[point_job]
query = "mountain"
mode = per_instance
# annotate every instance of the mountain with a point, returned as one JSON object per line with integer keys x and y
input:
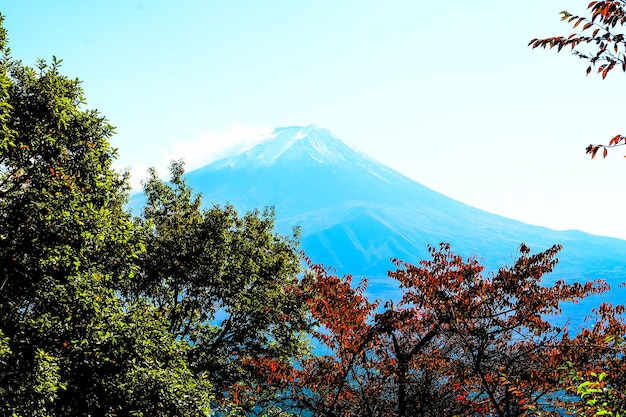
{"x": 356, "y": 213}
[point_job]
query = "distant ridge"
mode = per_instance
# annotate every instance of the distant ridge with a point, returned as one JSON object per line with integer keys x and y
{"x": 356, "y": 213}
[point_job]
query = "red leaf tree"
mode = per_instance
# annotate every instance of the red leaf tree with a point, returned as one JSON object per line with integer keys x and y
{"x": 456, "y": 343}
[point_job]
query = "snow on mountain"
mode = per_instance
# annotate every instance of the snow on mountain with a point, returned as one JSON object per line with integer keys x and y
{"x": 296, "y": 143}
{"x": 356, "y": 213}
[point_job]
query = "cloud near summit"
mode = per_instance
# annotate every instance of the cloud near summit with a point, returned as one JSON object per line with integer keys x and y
{"x": 207, "y": 148}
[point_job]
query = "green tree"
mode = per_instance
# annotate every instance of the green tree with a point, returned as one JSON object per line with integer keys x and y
{"x": 596, "y": 376}
{"x": 227, "y": 285}
{"x": 179, "y": 312}
{"x": 69, "y": 344}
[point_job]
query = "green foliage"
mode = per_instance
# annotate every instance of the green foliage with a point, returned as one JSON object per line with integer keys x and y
{"x": 185, "y": 311}
{"x": 596, "y": 395}
{"x": 105, "y": 315}
{"x": 597, "y": 385}
{"x": 225, "y": 284}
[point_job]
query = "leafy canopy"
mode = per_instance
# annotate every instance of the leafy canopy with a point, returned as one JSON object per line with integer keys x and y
{"x": 457, "y": 343}
{"x": 172, "y": 313}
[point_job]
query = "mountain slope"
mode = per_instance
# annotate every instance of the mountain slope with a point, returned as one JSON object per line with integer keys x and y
{"x": 356, "y": 213}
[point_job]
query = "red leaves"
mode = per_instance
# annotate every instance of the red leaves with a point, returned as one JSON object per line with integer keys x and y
{"x": 604, "y": 69}
{"x": 609, "y": 13}
{"x": 338, "y": 307}
{"x": 617, "y": 140}
{"x": 473, "y": 345}
{"x": 605, "y": 15}
{"x": 274, "y": 371}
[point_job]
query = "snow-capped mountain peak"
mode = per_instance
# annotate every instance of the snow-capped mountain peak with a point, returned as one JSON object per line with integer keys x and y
{"x": 293, "y": 142}
{"x": 356, "y": 213}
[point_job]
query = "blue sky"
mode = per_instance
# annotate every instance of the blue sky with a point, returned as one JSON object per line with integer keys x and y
{"x": 447, "y": 93}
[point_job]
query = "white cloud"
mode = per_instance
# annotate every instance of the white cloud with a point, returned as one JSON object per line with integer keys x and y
{"x": 207, "y": 148}
{"x": 212, "y": 146}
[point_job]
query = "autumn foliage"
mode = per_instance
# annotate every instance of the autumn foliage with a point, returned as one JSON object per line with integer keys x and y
{"x": 598, "y": 43}
{"x": 185, "y": 311}
{"x": 457, "y": 343}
